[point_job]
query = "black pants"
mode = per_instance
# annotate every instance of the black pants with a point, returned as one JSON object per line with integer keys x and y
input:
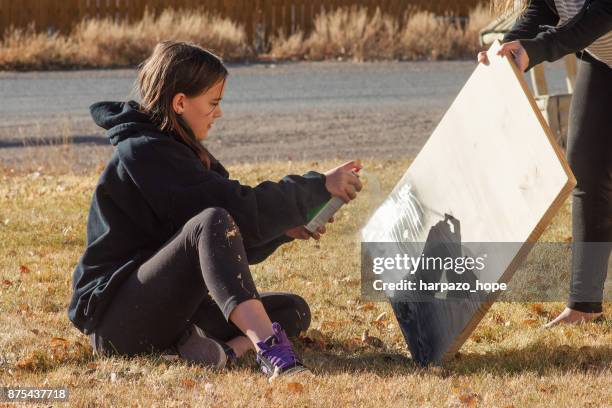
{"x": 198, "y": 277}
{"x": 589, "y": 152}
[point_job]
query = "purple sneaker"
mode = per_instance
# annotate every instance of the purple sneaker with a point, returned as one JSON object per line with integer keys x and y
{"x": 276, "y": 356}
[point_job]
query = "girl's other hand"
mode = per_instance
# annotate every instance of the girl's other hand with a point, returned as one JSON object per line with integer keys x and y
{"x": 342, "y": 182}
{"x": 302, "y": 233}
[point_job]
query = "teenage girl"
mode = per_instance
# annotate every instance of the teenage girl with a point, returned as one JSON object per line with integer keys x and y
{"x": 170, "y": 236}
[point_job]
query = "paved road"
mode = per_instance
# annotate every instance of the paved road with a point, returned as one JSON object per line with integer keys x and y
{"x": 315, "y": 109}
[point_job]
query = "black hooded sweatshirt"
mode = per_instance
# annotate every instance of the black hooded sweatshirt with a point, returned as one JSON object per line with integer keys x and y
{"x": 152, "y": 185}
{"x": 537, "y": 31}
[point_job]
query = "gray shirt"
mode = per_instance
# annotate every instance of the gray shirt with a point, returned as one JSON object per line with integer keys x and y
{"x": 601, "y": 48}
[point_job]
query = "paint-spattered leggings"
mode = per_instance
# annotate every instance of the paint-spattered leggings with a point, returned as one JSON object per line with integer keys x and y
{"x": 198, "y": 277}
{"x": 589, "y": 153}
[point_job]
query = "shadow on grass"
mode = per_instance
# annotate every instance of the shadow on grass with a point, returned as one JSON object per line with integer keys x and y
{"x": 52, "y": 141}
{"x": 537, "y": 358}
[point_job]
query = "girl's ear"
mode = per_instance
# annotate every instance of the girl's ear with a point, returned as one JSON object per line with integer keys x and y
{"x": 178, "y": 103}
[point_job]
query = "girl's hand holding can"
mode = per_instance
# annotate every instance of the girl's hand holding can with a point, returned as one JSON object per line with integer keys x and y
{"x": 343, "y": 182}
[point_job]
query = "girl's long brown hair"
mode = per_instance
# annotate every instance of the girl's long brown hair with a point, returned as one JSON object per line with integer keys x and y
{"x": 172, "y": 68}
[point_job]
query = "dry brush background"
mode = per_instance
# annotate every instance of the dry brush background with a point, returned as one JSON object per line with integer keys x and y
{"x": 346, "y": 33}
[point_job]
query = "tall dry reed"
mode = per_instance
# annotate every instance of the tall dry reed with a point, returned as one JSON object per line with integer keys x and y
{"x": 346, "y": 33}
{"x": 352, "y": 33}
{"x": 107, "y": 43}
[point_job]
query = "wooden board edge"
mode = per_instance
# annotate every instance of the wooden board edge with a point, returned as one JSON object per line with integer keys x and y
{"x": 512, "y": 268}
{"x": 547, "y": 130}
{"x": 535, "y": 234}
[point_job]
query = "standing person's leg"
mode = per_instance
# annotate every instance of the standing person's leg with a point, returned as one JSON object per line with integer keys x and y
{"x": 205, "y": 260}
{"x": 589, "y": 153}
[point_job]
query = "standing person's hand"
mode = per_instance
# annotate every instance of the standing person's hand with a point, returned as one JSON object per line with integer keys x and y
{"x": 342, "y": 182}
{"x": 512, "y": 49}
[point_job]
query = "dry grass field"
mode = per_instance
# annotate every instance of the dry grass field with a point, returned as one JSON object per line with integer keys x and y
{"x": 509, "y": 361}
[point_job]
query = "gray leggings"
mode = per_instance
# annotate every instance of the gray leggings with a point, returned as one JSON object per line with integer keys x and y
{"x": 198, "y": 277}
{"x": 589, "y": 152}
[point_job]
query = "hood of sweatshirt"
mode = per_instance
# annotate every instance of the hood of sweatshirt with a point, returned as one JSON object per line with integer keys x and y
{"x": 121, "y": 120}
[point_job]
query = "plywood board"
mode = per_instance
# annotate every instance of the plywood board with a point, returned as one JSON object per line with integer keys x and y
{"x": 491, "y": 172}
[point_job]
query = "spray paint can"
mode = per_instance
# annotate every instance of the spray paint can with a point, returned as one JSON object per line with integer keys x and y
{"x": 325, "y": 212}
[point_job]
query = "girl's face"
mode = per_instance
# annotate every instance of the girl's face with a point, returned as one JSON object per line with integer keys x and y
{"x": 200, "y": 112}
